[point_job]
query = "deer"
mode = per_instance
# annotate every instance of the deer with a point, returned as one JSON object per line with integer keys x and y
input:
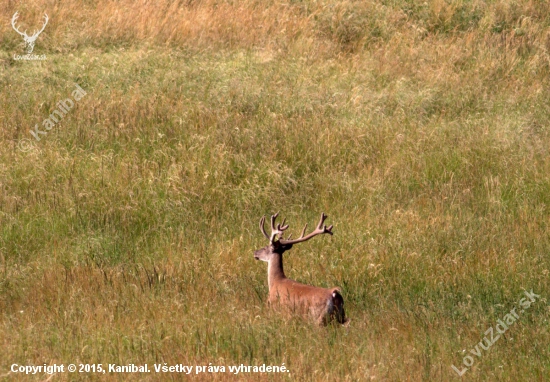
{"x": 323, "y": 305}
{"x": 29, "y": 40}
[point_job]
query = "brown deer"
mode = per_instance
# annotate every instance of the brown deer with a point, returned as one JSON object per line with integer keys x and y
{"x": 322, "y": 304}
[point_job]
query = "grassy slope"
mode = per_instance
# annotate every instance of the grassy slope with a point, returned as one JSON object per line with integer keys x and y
{"x": 126, "y": 234}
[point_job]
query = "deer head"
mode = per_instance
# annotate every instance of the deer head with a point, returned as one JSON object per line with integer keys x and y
{"x": 29, "y": 40}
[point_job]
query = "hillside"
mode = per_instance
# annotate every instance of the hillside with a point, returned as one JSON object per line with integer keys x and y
{"x": 128, "y": 222}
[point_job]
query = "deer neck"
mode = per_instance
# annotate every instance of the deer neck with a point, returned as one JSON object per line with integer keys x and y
{"x": 275, "y": 270}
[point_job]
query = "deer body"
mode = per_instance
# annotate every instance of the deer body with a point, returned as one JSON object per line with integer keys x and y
{"x": 320, "y": 304}
{"x": 323, "y": 305}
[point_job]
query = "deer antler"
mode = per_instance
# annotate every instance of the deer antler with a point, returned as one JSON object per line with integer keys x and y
{"x": 280, "y": 228}
{"x": 274, "y": 230}
{"x": 321, "y": 229}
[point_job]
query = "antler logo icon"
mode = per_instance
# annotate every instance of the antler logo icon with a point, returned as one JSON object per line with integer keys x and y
{"x": 29, "y": 40}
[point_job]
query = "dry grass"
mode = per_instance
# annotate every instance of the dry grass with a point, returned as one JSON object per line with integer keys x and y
{"x": 126, "y": 233}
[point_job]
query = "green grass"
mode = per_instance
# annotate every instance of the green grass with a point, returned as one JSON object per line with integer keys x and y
{"x": 127, "y": 231}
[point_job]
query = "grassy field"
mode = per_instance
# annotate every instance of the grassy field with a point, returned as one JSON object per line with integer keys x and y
{"x": 420, "y": 128}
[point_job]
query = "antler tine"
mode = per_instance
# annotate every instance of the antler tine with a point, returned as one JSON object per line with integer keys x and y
{"x": 262, "y": 227}
{"x": 324, "y": 229}
{"x": 303, "y": 231}
{"x": 284, "y": 227}
{"x": 273, "y": 217}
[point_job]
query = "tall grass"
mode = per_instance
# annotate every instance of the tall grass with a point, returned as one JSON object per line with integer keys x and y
{"x": 126, "y": 233}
